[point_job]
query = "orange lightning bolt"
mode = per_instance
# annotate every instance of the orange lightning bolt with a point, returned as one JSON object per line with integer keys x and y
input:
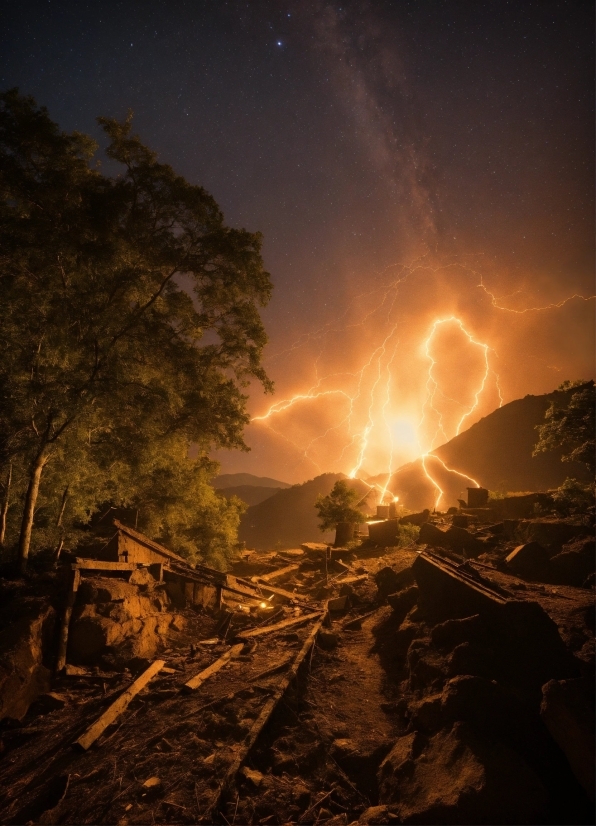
{"x": 553, "y": 306}
{"x": 368, "y": 391}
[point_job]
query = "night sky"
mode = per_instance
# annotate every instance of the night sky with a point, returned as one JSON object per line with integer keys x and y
{"x": 396, "y": 156}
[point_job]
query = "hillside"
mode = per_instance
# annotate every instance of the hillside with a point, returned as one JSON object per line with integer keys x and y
{"x": 289, "y": 518}
{"x": 232, "y": 480}
{"x": 251, "y": 494}
{"x": 496, "y": 452}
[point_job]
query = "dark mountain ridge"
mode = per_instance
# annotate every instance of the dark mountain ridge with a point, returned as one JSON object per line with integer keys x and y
{"x": 289, "y": 518}
{"x": 251, "y": 494}
{"x": 496, "y": 452}
{"x": 232, "y": 480}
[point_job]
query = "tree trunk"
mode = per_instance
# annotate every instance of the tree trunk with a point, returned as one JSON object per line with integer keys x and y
{"x": 58, "y": 551}
{"x": 29, "y": 510}
{"x": 62, "y": 507}
{"x": 344, "y": 533}
{"x": 4, "y": 511}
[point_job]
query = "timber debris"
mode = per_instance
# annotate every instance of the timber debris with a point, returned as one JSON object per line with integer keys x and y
{"x": 447, "y": 681}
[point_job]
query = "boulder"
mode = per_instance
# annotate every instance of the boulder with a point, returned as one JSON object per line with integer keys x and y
{"x": 455, "y": 777}
{"x": 452, "y": 632}
{"x": 417, "y": 519}
{"x": 426, "y": 715}
{"x": 431, "y": 535}
{"x": 463, "y": 542}
{"x": 568, "y": 711}
{"x": 142, "y": 576}
{"x": 574, "y": 564}
{"x": 404, "y": 636}
{"x": 24, "y": 661}
{"x": 529, "y": 561}
{"x": 457, "y": 539}
{"x": 403, "y": 602}
{"x": 472, "y": 658}
{"x": 118, "y": 621}
{"x": 485, "y": 705}
{"x": 340, "y": 603}
{"x": 389, "y": 581}
{"x": 314, "y": 550}
{"x": 551, "y": 533}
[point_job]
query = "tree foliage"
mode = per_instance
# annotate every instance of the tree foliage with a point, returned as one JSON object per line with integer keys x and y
{"x": 571, "y": 425}
{"x": 130, "y": 317}
{"x": 337, "y": 506}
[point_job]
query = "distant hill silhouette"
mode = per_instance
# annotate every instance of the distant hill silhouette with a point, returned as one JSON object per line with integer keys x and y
{"x": 289, "y": 518}
{"x": 496, "y": 452}
{"x": 232, "y": 480}
{"x": 251, "y": 494}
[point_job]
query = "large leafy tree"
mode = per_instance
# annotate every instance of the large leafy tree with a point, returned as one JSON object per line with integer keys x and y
{"x": 130, "y": 311}
{"x": 570, "y": 424}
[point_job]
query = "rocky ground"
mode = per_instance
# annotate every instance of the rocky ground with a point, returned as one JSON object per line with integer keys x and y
{"x": 451, "y": 682}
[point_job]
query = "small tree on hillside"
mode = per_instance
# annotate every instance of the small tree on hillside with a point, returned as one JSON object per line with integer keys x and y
{"x": 571, "y": 426}
{"x": 336, "y": 511}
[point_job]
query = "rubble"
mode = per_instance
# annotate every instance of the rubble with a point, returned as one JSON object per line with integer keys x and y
{"x": 449, "y": 682}
{"x": 25, "y": 643}
{"x": 574, "y": 564}
{"x": 456, "y": 777}
{"x": 530, "y": 560}
{"x": 568, "y": 712}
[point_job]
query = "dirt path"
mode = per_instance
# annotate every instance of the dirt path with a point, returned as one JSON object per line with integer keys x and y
{"x": 319, "y": 758}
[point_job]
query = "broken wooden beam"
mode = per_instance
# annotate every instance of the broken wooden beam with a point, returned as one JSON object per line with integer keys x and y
{"x": 299, "y": 599}
{"x": 351, "y": 580}
{"x": 279, "y": 626}
{"x": 266, "y": 712}
{"x": 197, "y": 681}
{"x": 103, "y": 565}
{"x": 63, "y": 639}
{"x": 288, "y": 569}
{"x": 117, "y": 707}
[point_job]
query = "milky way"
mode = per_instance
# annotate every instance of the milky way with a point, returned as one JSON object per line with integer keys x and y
{"x": 406, "y": 162}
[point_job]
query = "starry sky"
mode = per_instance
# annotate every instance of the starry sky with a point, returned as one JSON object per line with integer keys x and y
{"x": 422, "y": 172}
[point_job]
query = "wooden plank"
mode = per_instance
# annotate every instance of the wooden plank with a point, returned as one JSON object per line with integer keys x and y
{"x": 63, "y": 639}
{"x": 280, "y": 572}
{"x": 279, "y": 626}
{"x": 301, "y": 599}
{"x": 350, "y": 580}
{"x": 118, "y": 707}
{"x": 100, "y": 565}
{"x": 198, "y": 680}
{"x": 264, "y": 716}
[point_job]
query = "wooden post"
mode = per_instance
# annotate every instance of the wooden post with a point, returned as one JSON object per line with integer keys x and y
{"x": 280, "y": 626}
{"x": 118, "y": 706}
{"x": 198, "y": 680}
{"x": 70, "y": 601}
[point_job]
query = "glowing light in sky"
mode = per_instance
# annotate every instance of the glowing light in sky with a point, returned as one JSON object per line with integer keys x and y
{"x": 373, "y": 424}
{"x": 399, "y": 429}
